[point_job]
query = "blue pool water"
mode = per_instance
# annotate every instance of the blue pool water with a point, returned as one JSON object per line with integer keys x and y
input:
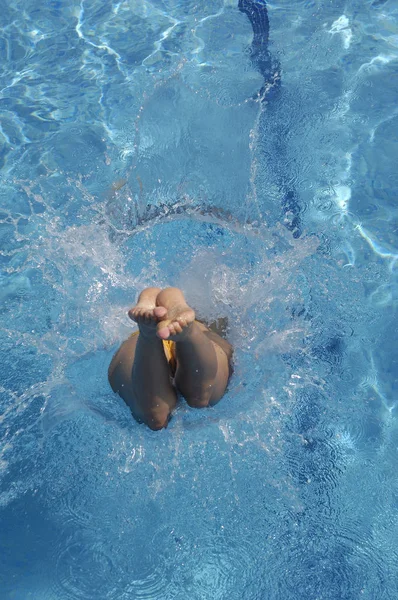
{"x": 135, "y": 149}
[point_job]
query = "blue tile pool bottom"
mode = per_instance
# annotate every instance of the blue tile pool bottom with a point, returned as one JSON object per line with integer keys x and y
{"x": 135, "y": 149}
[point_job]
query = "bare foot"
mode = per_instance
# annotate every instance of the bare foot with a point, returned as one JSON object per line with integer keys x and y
{"x": 143, "y": 312}
{"x": 175, "y": 317}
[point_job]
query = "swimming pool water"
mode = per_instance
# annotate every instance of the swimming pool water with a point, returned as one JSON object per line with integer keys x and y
{"x": 134, "y": 149}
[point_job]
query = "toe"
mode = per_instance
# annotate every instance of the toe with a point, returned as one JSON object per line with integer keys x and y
{"x": 160, "y": 312}
{"x": 163, "y": 332}
{"x": 177, "y": 327}
{"x": 132, "y": 314}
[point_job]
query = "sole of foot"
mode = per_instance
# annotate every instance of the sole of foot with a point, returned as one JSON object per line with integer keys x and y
{"x": 143, "y": 313}
{"x": 177, "y": 322}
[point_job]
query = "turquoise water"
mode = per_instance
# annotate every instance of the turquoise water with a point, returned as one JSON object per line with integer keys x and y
{"x": 135, "y": 150}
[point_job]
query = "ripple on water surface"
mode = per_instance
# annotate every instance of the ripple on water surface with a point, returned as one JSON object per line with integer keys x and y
{"x": 87, "y": 571}
{"x": 216, "y": 567}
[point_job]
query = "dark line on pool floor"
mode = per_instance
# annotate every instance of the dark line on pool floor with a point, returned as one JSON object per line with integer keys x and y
{"x": 257, "y": 13}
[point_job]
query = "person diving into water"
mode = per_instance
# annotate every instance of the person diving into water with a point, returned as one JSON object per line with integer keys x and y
{"x": 171, "y": 352}
{"x": 257, "y": 13}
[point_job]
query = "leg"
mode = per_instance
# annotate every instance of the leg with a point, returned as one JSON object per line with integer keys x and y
{"x": 139, "y": 371}
{"x": 202, "y": 364}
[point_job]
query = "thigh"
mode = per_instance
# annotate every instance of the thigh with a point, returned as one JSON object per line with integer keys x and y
{"x": 224, "y": 371}
{"x": 120, "y": 375}
{"x": 222, "y": 343}
{"x": 212, "y": 333}
{"x": 224, "y": 351}
{"x": 120, "y": 368}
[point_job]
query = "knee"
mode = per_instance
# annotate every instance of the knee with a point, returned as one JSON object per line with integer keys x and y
{"x": 200, "y": 401}
{"x": 157, "y": 421}
{"x": 157, "y": 425}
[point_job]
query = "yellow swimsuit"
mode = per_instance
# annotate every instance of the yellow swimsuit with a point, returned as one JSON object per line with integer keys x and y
{"x": 169, "y": 348}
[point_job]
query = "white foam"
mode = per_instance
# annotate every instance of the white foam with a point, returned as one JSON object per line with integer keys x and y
{"x": 380, "y": 59}
{"x": 341, "y": 26}
{"x": 342, "y": 197}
